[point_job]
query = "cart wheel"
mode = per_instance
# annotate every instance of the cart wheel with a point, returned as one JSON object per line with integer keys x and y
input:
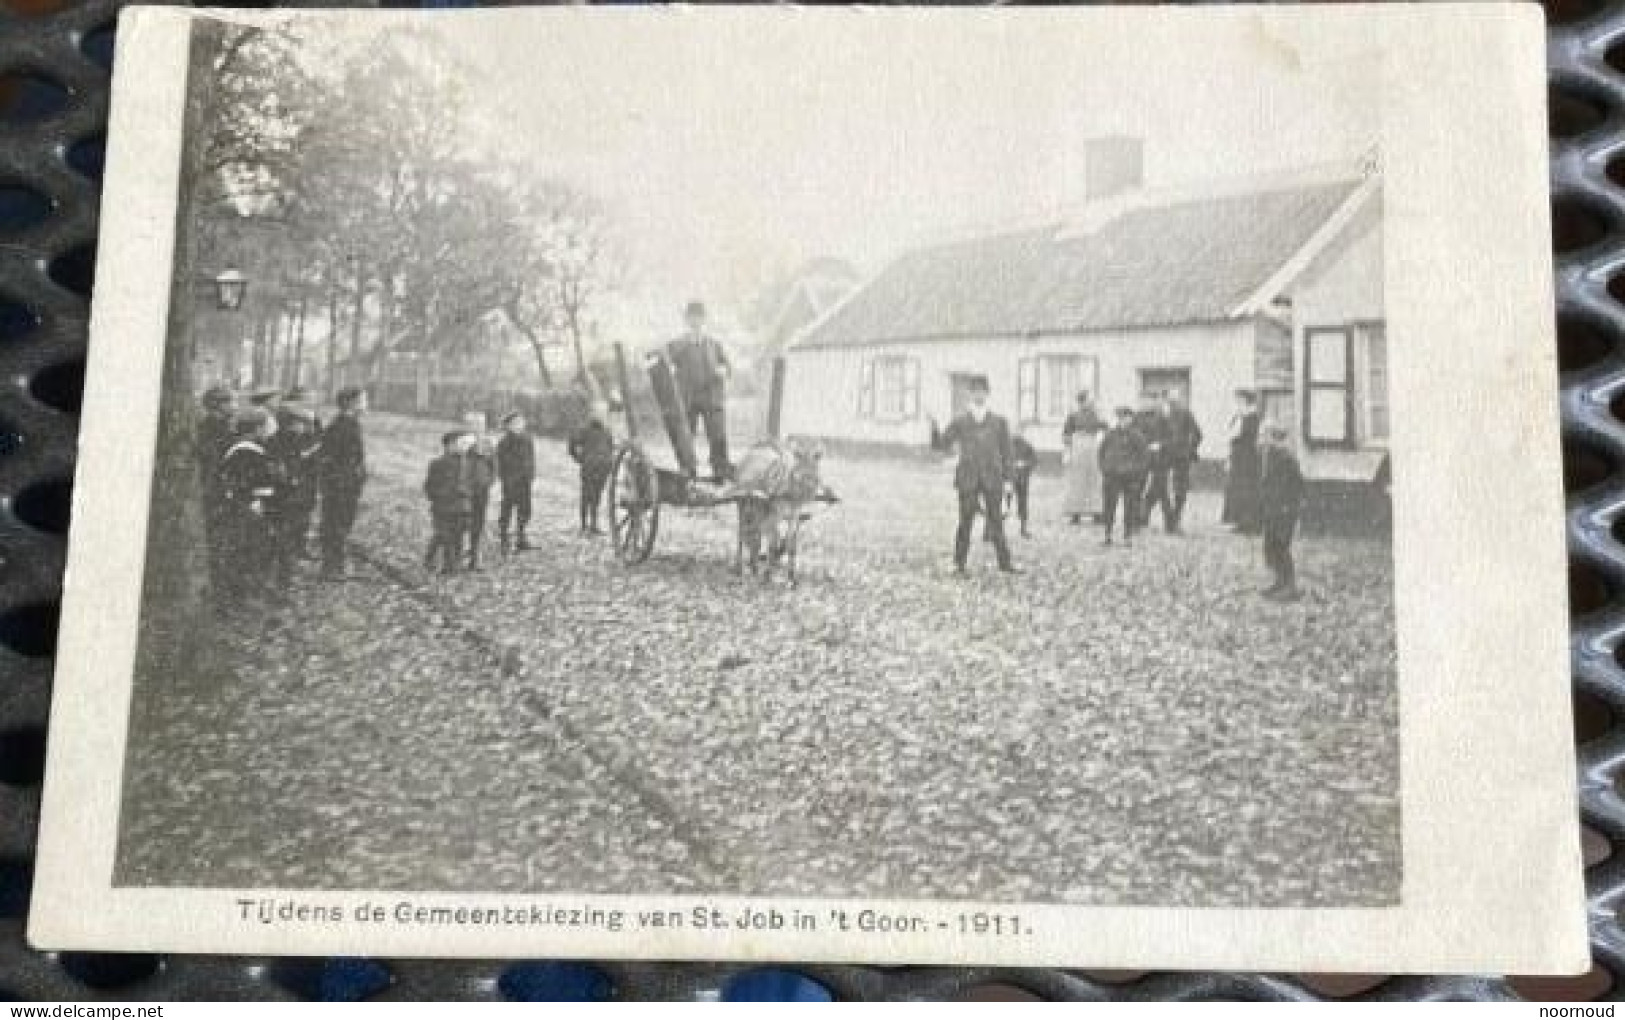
{"x": 634, "y": 506}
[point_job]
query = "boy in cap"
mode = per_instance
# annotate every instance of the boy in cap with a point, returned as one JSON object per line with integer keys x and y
{"x": 450, "y": 501}
{"x": 251, "y": 488}
{"x": 342, "y": 471}
{"x": 1125, "y": 456}
{"x": 516, "y": 469}
{"x": 593, "y": 448}
{"x": 1281, "y": 499}
{"x": 1021, "y": 477}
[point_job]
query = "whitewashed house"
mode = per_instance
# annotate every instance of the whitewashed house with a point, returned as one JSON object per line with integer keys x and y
{"x": 1275, "y": 287}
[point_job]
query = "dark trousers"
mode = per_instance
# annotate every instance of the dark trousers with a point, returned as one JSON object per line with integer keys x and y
{"x": 1155, "y": 495}
{"x": 339, "y": 505}
{"x": 1115, "y": 488}
{"x": 1022, "y": 482}
{"x": 1278, "y": 531}
{"x": 515, "y": 507}
{"x": 716, "y": 435}
{"x": 988, "y": 501}
{"x": 445, "y": 540}
{"x": 476, "y": 523}
{"x": 592, "y": 494}
{"x": 1179, "y": 482}
{"x": 293, "y": 526}
{"x": 252, "y": 553}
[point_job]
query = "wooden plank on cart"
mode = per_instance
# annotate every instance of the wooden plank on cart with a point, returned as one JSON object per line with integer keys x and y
{"x": 663, "y": 380}
{"x": 775, "y": 398}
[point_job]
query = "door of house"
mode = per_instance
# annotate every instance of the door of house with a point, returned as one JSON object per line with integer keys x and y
{"x": 959, "y": 387}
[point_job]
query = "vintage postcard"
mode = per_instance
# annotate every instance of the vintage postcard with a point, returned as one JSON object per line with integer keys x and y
{"x": 1066, "y": 487}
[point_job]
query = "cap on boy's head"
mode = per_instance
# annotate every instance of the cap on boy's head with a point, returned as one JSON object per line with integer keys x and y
{"x": 450, "y": 438}
{"x": 1125, "y": 411}
{"x": 978, "y": 384}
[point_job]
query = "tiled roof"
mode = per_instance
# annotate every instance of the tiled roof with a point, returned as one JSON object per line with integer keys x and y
{"x": 1187, "y": 262}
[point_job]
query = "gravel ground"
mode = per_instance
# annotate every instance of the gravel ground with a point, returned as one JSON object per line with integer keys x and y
{"x": 1113, "y": 726}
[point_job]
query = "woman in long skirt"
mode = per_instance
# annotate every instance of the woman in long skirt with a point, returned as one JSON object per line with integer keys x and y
{"x": 1242, "y": 510}
{"x": 1081, "y": 434}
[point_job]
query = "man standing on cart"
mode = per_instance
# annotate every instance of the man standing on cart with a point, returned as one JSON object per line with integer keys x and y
{"x": 702, "y": 369}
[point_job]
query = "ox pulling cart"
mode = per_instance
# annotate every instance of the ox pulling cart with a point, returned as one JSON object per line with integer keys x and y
{"x": 772, "y": 485}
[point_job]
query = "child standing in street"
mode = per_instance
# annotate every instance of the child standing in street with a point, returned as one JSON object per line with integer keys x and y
{"x": 450, "y": 502}
{"x": 1025, "y": 459}
{"x": 516, "y": 470}
{"x": 593, "y": 448}
{"x": 1281, "y": 499}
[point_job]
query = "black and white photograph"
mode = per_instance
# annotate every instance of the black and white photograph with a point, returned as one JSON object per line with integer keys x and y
{"x": 776, "y": 456}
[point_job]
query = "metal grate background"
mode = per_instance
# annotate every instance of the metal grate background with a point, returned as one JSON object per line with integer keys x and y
{"x": 54, "y": 59}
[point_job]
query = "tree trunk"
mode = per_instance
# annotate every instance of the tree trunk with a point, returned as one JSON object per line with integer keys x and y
{"x": 386, "y": 323}
{"x": 176, "y": 580}
{"x": 299, "y": 342}
{"x": 330, "y": 383}
{"x": 356, "y": 315}
{"x": 535, "y": 346}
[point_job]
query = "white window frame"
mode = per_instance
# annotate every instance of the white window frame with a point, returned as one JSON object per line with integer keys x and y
{"x": 1039, "y": 400}
{"x": 893, "y": 386}
{"x": 1346, "y": 392}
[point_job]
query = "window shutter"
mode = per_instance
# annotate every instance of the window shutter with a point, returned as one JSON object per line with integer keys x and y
{"x": 1027, "y": 390}
{"x": 866, "y": 390}
{"x": 911, "y": 389}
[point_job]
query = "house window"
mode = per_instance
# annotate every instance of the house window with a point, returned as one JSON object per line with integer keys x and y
{"x": 1154, "y": 382}
{"x": 1375, "y": 337}
{"x": 1027, "y": 390}
{"x": 1328, "y": 387}
{"x": 891, "y": 388}
{"x": 1049, "y": 385}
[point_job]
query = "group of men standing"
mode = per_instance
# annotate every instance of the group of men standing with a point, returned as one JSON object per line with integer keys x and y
{"x": 1142, "y": 462}
{"x": 267, "y": 464}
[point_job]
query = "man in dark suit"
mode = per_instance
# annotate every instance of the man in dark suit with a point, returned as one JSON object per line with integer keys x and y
{"x": 702, "y": 370}
{"x": 342, "y": 469}
{"x": 1184, "y": 442}
{"x": 986, "y": 468}
{"x": 1125, "y": 457}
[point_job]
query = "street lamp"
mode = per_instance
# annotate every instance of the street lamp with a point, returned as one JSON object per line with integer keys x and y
{"x": 229, "y": 287}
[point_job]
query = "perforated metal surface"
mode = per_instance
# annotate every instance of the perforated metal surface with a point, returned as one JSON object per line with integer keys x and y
{"x": 44, "y": 282}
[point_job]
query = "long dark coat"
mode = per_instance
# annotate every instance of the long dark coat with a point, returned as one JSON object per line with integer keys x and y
{"x": 1241, "y": 496}
{"x": 986, "y": 461}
